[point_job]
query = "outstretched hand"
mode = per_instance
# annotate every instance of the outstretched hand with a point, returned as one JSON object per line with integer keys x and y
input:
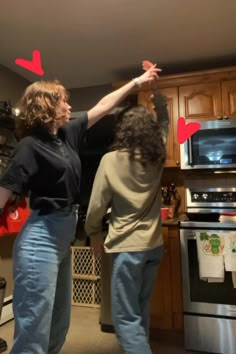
{"x": 146, "y": 64}
{"x": 151, "y": 72}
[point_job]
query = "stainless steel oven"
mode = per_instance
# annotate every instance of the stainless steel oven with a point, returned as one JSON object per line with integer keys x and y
{"x": 213, "y": 146}
{"x": 209, "y": 308}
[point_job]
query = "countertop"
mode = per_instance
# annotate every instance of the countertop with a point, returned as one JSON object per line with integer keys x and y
{"x": 175, "y": 221}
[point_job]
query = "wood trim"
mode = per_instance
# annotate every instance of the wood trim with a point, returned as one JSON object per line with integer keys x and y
{"x": 192, "y": 77}
{"x": 86, "y": 277}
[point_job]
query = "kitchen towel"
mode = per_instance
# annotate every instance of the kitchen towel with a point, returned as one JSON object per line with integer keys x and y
{"x": 210, "y": 248}
{"x": 230, "y": 251}
{"x": 230, "y": 254}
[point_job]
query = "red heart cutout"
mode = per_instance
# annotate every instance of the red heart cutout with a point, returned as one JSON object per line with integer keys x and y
{"x": 147, "y": 65}
{"x": 184, "y": 131}
{"x": 35, "y": 65}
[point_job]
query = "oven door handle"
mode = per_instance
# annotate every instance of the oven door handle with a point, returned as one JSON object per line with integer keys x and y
{"x": 191, "y": 237}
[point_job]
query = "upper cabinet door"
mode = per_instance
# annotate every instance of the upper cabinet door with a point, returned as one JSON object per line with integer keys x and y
{"x": 229, "y": 98}
{"x": 200, "y": 102}
{"x": 173, "y": 154}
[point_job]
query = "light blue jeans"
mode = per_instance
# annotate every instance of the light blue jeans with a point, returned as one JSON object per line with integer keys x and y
{"x": 42, "y": 275}
{"x": 133, "y": 278}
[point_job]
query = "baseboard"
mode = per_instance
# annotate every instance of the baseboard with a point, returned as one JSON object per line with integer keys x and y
{"x": 7, "y": 312}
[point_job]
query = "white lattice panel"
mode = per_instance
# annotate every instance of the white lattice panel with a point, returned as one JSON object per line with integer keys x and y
{"x": 86, "y": 292}
{"x": 86, "y": 271}
{"x": 84, "y": 261}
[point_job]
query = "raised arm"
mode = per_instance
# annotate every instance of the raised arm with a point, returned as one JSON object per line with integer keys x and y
{"x": 110, "y": 101}
{"x": 161, "y": 109}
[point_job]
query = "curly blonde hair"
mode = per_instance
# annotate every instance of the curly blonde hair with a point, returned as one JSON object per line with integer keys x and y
{"x": 38, "y": 107}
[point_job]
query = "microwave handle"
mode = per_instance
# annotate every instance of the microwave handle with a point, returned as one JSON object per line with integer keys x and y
{"x": 190, "y": 152}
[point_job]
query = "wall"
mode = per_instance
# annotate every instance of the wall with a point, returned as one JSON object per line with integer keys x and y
{"x": 11, "y": 88}
{"x": 11, "y": 85}
{"x": 85, "y": 98}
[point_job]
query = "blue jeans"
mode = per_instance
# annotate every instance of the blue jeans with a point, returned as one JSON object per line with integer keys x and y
{"x": 42, "y": 275}
{"x": 133, "y": 278}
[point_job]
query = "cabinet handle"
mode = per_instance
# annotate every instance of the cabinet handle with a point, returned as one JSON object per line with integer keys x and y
{"x": 177, "y": 162}
{"x": 220, "y": 117}
{"x": 225, "y": 117}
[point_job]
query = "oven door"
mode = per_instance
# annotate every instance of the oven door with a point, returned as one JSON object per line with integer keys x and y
{"x": 201, "y": 297}
{"x": 211, "y": 147}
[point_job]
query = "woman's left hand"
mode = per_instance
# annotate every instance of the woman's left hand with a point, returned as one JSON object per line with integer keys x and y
{"x": 97, "y": 248}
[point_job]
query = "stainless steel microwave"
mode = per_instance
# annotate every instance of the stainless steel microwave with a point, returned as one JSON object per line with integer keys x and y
{"x": 211, "y": 147}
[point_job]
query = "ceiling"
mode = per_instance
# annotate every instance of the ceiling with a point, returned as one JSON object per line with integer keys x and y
{"x": 93, "y": 42}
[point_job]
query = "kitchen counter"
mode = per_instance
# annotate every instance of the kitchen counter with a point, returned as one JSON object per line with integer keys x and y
{"x": 175, "y": 221}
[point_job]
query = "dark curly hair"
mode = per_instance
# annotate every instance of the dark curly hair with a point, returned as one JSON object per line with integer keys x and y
{"x": 38, "y": 107}
{"x": 139, "y": 130}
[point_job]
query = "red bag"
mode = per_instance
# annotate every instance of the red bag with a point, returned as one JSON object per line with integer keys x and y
{"x": 13, "y": 218}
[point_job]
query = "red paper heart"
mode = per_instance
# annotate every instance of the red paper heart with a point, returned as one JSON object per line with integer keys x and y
{"x": 147, "y": 65}
{"x": 184, "y": 131}
{"x": 33, "y": 65}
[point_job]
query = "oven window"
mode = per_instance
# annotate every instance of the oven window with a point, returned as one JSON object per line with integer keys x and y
{"x": 201, "y": 291}
{"x": 214, "y": 147}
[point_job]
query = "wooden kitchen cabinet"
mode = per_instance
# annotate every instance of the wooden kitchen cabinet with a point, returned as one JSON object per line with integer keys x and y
{"x": 229, "y": 98}
{"x": 173, "y": 152}
{"x": 166, "y": 311}
{"x": 200, "y": 102}
{"x": 208, "y": 101}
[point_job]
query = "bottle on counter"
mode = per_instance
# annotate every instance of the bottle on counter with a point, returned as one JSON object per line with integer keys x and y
{"x": 165, "y": 195}
{"x": 174, "y": 200}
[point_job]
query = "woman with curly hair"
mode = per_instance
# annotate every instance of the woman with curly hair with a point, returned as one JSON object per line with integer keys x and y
{"x": 46, "y": 165}
{"x": 128, "y": 181}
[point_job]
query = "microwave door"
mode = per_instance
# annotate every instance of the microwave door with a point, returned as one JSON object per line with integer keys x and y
{"x": 190, "y": 152}
{"x": 212, "y": 147}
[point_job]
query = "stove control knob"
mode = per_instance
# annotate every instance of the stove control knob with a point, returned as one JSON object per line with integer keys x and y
{"x": 205, "y": 196}
{"x": 195, "y": 196}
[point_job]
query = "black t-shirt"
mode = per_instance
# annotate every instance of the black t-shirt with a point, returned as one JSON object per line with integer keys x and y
{"x": 48, "y": 168}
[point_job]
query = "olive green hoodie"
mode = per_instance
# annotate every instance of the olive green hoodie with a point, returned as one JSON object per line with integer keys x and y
{"x": 134, "y": 194}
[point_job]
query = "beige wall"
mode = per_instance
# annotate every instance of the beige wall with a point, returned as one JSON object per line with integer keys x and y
{"x": 11, "y": 88}
{"x": 83, "y": 99}
{"x": 11, "y": 85}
